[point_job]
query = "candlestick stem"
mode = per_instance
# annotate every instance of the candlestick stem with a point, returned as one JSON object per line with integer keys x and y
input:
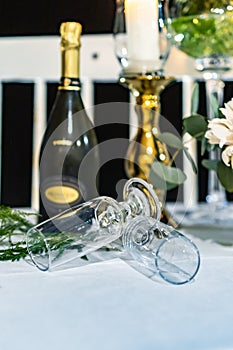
{"x": 145, "y": 147}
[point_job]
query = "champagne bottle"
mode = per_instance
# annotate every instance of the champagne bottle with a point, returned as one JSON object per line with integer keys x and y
{"x": 69, "y": 159}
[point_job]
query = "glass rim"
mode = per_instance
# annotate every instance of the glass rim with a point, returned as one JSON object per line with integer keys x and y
{"x": 36, "y": 257}
{"x": 178, "y": 235}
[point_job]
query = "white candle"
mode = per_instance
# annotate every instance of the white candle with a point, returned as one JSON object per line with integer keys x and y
{"x": 143, "y": 34}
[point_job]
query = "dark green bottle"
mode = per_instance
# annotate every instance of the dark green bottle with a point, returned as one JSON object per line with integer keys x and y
{"x": 69, "y": 158}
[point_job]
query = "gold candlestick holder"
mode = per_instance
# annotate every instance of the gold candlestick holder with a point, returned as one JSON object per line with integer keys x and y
{"x": 145, "y": 147}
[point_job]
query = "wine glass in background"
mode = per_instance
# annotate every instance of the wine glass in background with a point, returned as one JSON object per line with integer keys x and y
{"x": 204, "y": 31}
{"x": 140, "y": 36}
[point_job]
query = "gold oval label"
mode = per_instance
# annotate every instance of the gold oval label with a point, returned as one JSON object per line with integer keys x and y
{"x": 61, "y": 194}
{"x": 62, "y": 143}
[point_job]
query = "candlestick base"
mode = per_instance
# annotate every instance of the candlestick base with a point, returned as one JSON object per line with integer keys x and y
{"x": 145, "y": 147}
{"x": 147, "y": 86}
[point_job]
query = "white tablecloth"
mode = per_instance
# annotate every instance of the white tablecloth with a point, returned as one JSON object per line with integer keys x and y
{"x": 109, "y": 305}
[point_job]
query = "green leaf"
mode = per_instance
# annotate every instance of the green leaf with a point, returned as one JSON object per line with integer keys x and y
{"x": 214, "y": 105}
{"x": 195, "y": 125}
{"x": 166, "y": 177}
{"x": 160, "y": 183}
{"x": 188, "y": 155}
{"x": 204, "y": 146}
{"x": 195, "y": 99}
{"x": 170, "y": 140}
{"x": 210, "y": 164}
{"x": 225, "y": 175}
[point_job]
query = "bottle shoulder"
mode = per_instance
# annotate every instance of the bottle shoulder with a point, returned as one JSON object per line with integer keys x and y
{"x": 69, "y": 120}
{"x": 66, "y": 100}
{"x": 68, "y": 106}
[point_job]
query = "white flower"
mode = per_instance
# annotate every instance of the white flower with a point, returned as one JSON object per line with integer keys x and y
{"x": 221, "y": 129}
{"x": 227, "y": 156}
{"x": 212, "y": 138}
{"x": 228, "y": 111}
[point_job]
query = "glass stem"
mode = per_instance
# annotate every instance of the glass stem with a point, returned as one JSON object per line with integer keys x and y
{"x": 216, "y": 196}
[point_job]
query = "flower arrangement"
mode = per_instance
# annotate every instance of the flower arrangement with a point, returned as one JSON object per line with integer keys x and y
{"x": 220, "y": 132}
{"x": 213, "y": 134}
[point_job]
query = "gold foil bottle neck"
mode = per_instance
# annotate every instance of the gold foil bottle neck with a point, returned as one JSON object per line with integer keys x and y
{"x": 70, "y": 34}
{"x": 70, "y": 55}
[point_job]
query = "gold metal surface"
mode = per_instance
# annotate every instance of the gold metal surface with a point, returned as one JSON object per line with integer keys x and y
{"x": 70, "y": 45}
{"x": 61, "y": 194}
{"x": 145, "y": 147}
{"x": 70, "y": 34}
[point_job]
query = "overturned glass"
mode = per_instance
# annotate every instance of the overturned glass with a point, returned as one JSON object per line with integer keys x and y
{"x": 161, "y": 249}
{"x": 87, "y": 227}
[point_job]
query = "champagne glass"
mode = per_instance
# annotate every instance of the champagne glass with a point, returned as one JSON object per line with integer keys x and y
{"x": 87, "y": 227}
{"x": 204, "y": 31}
{"x": 161, "y": 249}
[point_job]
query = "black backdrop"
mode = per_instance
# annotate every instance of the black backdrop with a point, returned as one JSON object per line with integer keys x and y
{"x": 43, "y": 17}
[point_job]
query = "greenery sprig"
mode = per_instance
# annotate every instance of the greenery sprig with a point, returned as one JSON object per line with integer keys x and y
{"x": 13, "y": 226}
{"x": 168, "y": 176}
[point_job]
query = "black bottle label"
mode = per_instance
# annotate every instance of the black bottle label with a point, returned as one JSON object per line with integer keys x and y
{"x": 69, "y": 84}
